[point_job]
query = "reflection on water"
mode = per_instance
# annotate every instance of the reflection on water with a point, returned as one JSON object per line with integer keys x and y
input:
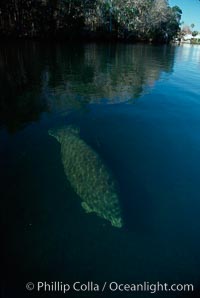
{"x": 54, "y": 78}
{"x": 150, "y": 148}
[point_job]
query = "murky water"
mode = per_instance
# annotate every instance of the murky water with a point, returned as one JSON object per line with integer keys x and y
{"x": 137, "y": 109}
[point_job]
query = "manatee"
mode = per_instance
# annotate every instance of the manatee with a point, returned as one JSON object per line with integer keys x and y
{"x": 88, "y": 175}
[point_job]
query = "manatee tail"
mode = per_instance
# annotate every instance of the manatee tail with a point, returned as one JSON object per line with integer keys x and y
{"x": 59, "y": 133}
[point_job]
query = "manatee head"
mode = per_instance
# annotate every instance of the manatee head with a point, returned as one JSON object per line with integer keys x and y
{"x": 61, "y": 132}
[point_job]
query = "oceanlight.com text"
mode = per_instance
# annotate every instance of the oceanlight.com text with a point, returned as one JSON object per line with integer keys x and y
{"x": 91, "y": 286}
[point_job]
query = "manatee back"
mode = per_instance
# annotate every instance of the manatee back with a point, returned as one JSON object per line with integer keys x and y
{"x": 88, "y": 175}
{"x": 91, "y": 179}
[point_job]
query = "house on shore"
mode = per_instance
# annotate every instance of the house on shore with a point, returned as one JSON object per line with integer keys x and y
{"x": 188, "y": 38}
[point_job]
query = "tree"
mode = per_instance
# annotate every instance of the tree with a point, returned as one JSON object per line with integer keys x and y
{"x": 194, "y": 33}
{"x": 136, "y": 19}
{"x": 186, "y": 30}
{"x": 177, "y": 13}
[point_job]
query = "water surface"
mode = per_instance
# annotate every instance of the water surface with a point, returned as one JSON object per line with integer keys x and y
{"x": 138, "y": 107}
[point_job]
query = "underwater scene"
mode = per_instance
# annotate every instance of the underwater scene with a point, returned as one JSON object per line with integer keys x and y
{"x": 100, "y": 167}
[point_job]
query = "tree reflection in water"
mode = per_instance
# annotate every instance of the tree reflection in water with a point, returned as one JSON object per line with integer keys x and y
{"x": 37, "y": 78}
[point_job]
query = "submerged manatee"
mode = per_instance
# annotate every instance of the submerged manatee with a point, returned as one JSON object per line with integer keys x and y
{"x": 88, "y": 175}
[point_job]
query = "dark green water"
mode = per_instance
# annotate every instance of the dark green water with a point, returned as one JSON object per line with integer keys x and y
{"x": 138, "y": 107}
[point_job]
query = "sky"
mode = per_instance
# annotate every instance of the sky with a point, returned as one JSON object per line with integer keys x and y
{"x": 191, "y": 11}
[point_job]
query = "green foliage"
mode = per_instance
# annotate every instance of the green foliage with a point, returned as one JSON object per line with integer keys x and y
{"x": 127, "y": 19}
{"x": 194, "y": 33}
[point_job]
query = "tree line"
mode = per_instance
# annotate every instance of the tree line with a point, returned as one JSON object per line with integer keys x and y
{"x": 118, "y": 19}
